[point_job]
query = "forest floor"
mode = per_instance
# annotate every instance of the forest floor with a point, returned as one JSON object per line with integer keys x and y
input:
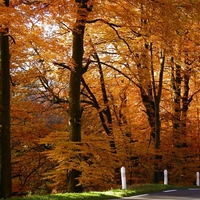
{"x": 111, "y": 194}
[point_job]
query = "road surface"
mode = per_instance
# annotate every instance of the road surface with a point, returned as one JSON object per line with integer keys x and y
{"x": 182, "y": 194}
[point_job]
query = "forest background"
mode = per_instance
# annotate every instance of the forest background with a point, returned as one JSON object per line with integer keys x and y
{"x": 96, "y": 85}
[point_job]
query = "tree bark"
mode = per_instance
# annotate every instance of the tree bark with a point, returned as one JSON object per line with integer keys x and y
{"x": 75, "y": 111}
{"x": 157, "y": 98}
{"x": 5, "y": 150}
{"x": 176, "y": 85}
{"x": 106, "y": 111}
{"x": 180, "y": 105}
{"x": 151, "y": 100}
{"x": 180, "y": 87}
{"x": 185, "y": 100}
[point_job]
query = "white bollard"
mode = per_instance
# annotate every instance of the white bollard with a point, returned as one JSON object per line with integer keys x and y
{"x": 165, "y": 177}
{"x": 123, "y": 178}
{"x": 198, "y": 179}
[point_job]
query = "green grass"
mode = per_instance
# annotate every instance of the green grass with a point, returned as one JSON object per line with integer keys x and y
{"x": 111, "y": 194}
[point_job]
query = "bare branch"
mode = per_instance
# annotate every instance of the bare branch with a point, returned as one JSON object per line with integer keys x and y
{"x": 191, "y": 98}
{"x": 104, "y": 21}
{"x": 120, "y": 72}
{"x": 62, "y": 65}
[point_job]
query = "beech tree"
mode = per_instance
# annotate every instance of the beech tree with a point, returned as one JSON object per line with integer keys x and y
{"x": 75, "y": 110}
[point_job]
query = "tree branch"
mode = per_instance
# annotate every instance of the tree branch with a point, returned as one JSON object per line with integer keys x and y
{"x": 62, "y": 65}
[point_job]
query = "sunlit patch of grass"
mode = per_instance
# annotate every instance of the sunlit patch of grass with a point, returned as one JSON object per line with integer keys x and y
{"x": 110, "y": 194}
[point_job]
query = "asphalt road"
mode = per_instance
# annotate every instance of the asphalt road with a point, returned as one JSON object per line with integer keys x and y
{"x": 182, "y": 194}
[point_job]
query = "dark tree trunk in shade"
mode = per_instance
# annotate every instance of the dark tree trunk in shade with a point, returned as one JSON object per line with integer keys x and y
{"x": 151, "y": 95}
{"x": 5, "y": 150}
{"x": 74, "y": 88}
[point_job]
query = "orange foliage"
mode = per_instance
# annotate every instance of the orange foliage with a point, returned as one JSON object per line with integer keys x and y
{"x": 116, "y": 32}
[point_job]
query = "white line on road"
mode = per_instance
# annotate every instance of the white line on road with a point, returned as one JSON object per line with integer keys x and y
{"x": 193, "y": 188}
{"x": 141, "y": 195}
{"x": 170, "y": 191}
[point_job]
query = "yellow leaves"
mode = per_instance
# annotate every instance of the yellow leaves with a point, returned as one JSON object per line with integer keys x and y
{"x": 88, "y": 156}
{"x": 43, "y": 36}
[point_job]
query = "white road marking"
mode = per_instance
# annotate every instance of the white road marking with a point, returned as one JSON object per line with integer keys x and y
{"x": 193, "y": 188}
{"x": 170, "y": 191}
{"x": 141, "y": 195}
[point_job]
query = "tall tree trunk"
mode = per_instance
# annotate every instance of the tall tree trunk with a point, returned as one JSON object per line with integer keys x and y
{"x": 176, "y": 86}
{"x": 151, "y": 99}
{"x": 132, "y": 160}
{"x": 74, "y": 88}
{"x": 180, "y": 87}
{"x": 180, "y": 105}
{"x": 157, "y": 98}
{"x": 185, "y": 101}
{"x": 5, "y": 151}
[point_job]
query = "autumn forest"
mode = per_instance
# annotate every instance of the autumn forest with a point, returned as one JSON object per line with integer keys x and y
{"x": 89, "y": 86}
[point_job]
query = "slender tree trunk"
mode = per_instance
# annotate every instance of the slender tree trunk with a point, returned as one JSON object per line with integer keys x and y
{"x": 102, "y": 116}
{"x": 106, "y": 111}
{"x": 151, "y": 100}
{"x": 74, "y": 89}
{"x": 185, "y": 101}
{"x": 157, "y": 98}
{"x": 132, "y": 160}
{"x": 180, "y": 106}
{"x": 176, "y": 85}
{"x": 157, "y": 144}
{"x": 5, "y": 150}
{"x": 180, "y": 87}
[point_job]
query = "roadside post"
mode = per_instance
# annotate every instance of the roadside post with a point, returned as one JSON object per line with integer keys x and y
{"x": 198, "y": 179}
{"x": 165, "y": 177}
{"x": 123, "y": 178}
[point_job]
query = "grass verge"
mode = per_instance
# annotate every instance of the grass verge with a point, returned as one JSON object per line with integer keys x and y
{"x": 111, "y": 194}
